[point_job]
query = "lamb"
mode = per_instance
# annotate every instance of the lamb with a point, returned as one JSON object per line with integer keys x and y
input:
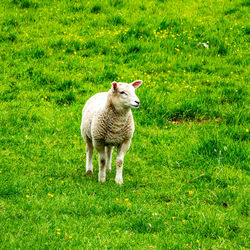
{"x": 107, "y": 122}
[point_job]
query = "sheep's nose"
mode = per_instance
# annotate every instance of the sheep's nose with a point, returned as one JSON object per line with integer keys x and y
{"x": 137, "y": 102}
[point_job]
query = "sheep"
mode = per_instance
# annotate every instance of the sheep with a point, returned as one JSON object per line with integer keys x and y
{"x": 107, "y": 122}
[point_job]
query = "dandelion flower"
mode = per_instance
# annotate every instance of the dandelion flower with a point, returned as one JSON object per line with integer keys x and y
{"x": 27, "y": 196}
{"x": 247, "y": 130}
{"x": 190, "y": 192}
{"x": 126, "y": 200}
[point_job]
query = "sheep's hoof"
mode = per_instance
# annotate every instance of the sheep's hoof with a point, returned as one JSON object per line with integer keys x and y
{"x": 119, "y": 181}
{"x": 102, "y": 180}
{"x": 89, "y": 172}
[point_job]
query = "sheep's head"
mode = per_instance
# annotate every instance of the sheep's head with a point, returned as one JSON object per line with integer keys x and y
{"x": 124, "y": 94}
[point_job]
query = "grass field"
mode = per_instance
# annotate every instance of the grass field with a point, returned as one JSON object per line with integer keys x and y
{"x": 186, "y": 173}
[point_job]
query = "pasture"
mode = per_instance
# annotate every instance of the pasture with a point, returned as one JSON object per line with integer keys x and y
{"x": 186, "y": 173}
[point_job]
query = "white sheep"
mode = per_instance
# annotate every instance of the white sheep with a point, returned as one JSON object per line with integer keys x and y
{"x": 107, "y": 121}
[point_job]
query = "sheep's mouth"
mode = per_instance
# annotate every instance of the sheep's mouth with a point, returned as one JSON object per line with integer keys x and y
{"x": 135, "y": 106}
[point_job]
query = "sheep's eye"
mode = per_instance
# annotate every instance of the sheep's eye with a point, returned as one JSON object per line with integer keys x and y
{"x": 123, "y": 93}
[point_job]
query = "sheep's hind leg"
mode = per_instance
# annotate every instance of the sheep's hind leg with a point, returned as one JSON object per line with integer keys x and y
{"x": 109, "y": 151}
{"x": 102, "y": 163}
{"x": 89, "y": 155}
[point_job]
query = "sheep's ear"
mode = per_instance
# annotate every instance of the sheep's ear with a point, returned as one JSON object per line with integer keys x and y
{"x": 136, "y": 83}
{"x": 114, "y": 85}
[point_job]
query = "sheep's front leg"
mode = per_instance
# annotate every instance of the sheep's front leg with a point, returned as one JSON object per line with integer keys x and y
{"x": 121, "y": 150}
{"x": 102, "y": 163}
{"x": 109, "y": 151}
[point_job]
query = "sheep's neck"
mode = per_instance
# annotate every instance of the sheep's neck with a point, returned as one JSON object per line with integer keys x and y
{"x": 119, "y": 114}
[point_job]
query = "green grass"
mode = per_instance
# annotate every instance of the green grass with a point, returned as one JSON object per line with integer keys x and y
{"x": 186, "y": 173}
